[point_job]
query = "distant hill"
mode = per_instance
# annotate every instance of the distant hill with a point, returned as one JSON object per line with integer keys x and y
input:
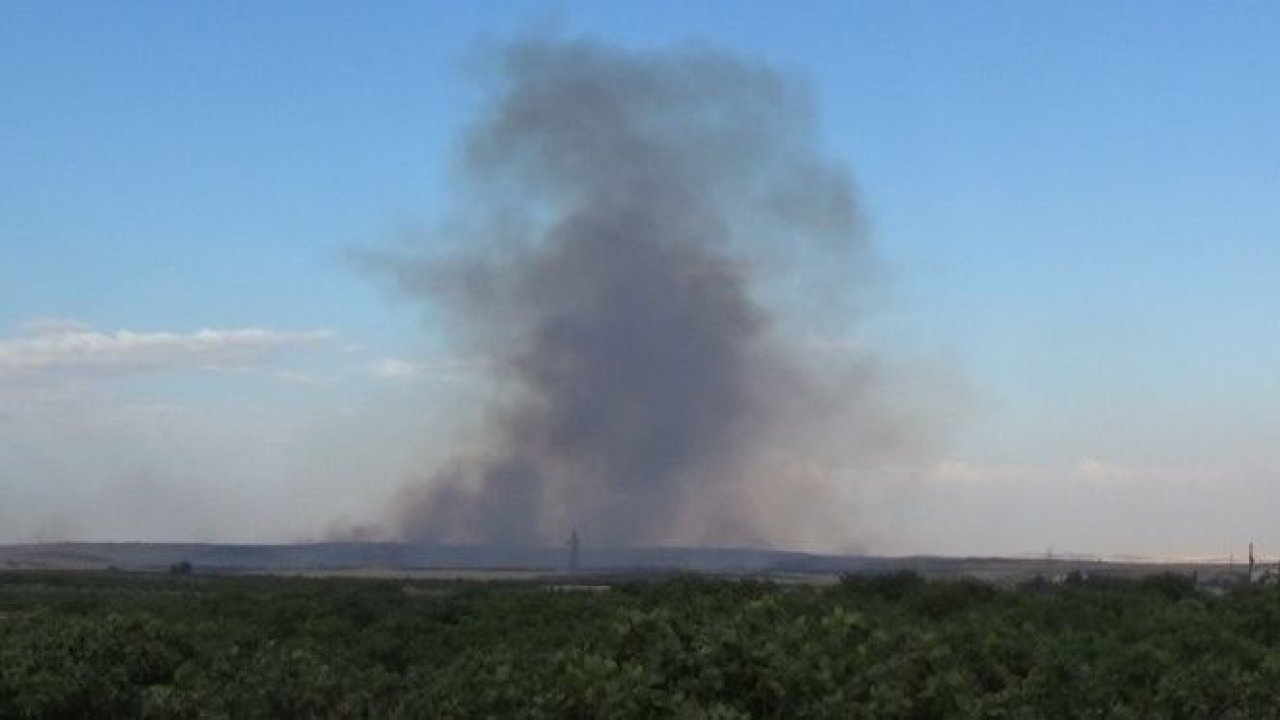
{"x": 410, "y": 558}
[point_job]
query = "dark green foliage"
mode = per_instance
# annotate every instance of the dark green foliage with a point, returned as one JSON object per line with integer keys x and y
{"x": 115, "y": 645}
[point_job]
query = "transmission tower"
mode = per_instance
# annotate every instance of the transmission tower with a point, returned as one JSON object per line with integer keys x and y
{"x": 574, "y": 543}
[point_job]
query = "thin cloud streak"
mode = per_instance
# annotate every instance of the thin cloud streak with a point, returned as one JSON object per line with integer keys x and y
{"x": 74, "y": 349}
{"x": 395, "y": 369}
{"x": 1089, "y": 471}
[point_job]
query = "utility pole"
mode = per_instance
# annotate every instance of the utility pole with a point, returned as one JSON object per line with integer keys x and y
{"x": 1250, "y": 561}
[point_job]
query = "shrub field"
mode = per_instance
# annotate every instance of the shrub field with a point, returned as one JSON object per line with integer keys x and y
{"x": 114, "y": 645}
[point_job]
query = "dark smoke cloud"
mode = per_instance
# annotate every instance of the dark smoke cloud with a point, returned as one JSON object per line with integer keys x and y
{"x": 649, "y": 250}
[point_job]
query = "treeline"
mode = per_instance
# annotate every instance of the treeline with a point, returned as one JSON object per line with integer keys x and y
{"x": 119, "y": 646}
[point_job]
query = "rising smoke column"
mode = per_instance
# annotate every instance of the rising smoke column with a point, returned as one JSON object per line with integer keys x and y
{"x": 639, "y": 247}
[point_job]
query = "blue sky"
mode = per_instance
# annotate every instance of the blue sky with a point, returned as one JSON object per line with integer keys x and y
{"x": 1078, "y": 204}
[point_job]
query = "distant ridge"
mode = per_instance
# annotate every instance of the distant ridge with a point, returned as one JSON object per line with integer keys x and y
{"x": 395, "y": 558}
{"x": 410, "y": 556}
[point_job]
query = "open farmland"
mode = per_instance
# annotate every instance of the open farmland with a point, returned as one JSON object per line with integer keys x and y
{"x": 92, "y": 645}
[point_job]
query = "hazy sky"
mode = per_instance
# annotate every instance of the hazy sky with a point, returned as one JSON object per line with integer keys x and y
{"x": 1077, "y": 205}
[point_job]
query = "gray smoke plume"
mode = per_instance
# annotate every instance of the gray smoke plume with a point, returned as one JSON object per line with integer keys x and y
{"x": 654, "y": 259}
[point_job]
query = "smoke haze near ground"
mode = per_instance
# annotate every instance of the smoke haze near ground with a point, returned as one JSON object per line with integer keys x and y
{"x": 659, "y": 269}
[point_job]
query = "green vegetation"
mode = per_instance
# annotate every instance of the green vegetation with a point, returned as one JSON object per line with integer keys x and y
{"x": 188, "y": 646}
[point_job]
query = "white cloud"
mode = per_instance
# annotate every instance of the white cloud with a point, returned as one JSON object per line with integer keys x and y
{"x": 302, "y": 378}
{"x": 395, "y": 369}
{"x": 1089, "y": 471}
{"x": 454, "y": 370}
{"x": 964, "y": 472}
{"x": 64, "y": 346}
{"x": 1107, "y": 471}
